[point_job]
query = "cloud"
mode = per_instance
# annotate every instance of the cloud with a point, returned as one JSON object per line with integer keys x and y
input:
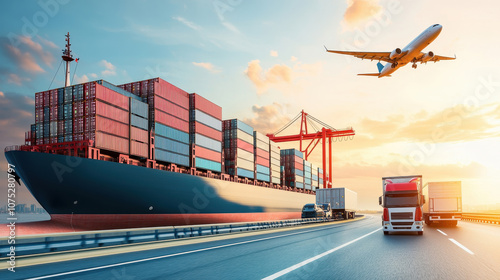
{"x": 230, "y": 27}
{"x": 110, "y": 69}
{"x": 15, "y": 117}
{"x": 278, "y": 73}
{"x": 81, "y": 80}
{"x": 15, "y": 79}
{"x": 293, "y": 58}
{"x": 359, "y": 11}
{"x": 206, "y": 65}
{"x": 273, "y": 53}
{"x": 269, "y": 118}
{"x": 25, "y": 60}
{"x": 93, "y": 75}
{"x": 46, "y": 56}
{"x": 47, "y": 42}
{"x": 187, "y": 23}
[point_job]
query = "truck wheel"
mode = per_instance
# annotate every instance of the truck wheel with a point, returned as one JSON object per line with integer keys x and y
{"x": 386, "y": 232}
{"x": 427, "y": 221}
{"x": 420, "y": 232}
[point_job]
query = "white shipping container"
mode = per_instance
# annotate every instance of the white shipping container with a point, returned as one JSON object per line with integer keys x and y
{"x": 245, "y": 155}
{"x": 245, "y": 164}
{"x": 262, "y": 145}
{"x": 339, "y": 198}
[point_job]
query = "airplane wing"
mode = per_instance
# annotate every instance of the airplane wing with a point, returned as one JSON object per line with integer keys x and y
{"x": 435, "y": 58}
{"x": 380, "y": 56}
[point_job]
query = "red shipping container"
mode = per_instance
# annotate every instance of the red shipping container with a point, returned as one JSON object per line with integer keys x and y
{"x": 78, "y": 137}
{"x": 111, "y": 127}
{"x": 262, "y": 161}
{"x": 60, "y": 128}
{"x": 172, "y": 93}
{"x": 39, "y": 100}
{"x": 207, "y": 154}
{"x": 78, "y": 125}
{"x": 245, "y": 146}
{"x": 78, "y": 109}
{"x": 139, "y": 134}
{"x": 207, "y": 131}
{"x": 53, "y": 113}
{"x": 111, "y": 112}
{"x": 53, "y": 97}
{"x": 262, "y": 153}
{"x": 206, "y": 106}
{"x": 39, "y": 115}
{"x": 91, "y": 90}
{"x": 171, "y": 108}
{"x": 139, "y": 149}
{"x": 112, "y": 97}
{"x": 111, "y": 143}
{"x": 171, "y": 121}
{"x": 46, "y": 99}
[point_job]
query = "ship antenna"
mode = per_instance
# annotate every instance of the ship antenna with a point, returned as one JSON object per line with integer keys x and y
{"x": 68, "y": 57}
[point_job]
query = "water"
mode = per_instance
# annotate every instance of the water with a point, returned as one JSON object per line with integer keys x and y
{"x": 24, "y": 218}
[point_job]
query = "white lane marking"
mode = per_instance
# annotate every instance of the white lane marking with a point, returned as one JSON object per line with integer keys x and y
{"x": 461, "y": 246}
{"x": 442, "y": 232}
{"x": 176, "y": 254}
{"x": 294, "y": 267}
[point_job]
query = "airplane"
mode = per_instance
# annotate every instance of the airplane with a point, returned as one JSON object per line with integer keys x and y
{"x": 398, "y": 58}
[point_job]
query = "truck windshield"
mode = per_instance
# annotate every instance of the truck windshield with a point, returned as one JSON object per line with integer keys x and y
{"x": 406, "y": 200}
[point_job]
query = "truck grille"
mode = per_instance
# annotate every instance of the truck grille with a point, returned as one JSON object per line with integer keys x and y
{"x": 402, "y": 216}
{"x": 402, "y": 223}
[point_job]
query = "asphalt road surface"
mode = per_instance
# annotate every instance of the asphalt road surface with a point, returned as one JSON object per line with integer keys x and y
{"x": 353, "y": 250}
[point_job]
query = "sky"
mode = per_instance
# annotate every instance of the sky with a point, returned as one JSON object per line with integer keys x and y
{"x": 264, "y": 62}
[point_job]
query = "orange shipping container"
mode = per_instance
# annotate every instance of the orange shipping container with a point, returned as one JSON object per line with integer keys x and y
{"x": 111, "y": 143}
{"x": 171, "y": 121}
{"x": 139, "y": 149}
{"x": 112, "y": 97}
{"x": 111, "y": 112}
{"x": 139, "y": 134}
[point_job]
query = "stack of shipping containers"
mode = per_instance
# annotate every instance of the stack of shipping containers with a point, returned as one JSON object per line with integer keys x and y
{"x": 95, "y": 111}
{"x": 314, "y": 177}
{"x": 205, "y": 132}
{"x": 238, "y": 148}
{"x": 168, "y": 118}
{"x": 262, "y": 157}
{"x": 320, "y": 177}
{"x": 139, "y": 126}
{"x": 307, "y": 175}
{"x": 274, "y": 163}
{"x": 293, "y": 168}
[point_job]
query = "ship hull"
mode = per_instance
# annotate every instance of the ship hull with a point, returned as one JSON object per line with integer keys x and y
{"x": 94, "y": 194}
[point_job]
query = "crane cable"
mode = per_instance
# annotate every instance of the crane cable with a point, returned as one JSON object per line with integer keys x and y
{"x": 55, "y": 74}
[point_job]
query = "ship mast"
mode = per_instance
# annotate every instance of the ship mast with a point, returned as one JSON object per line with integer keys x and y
{"x": 68, "y": 57}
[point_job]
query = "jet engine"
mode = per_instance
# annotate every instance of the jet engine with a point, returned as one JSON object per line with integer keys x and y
{"x": 396, "y": 53}
{"x": 427, "y": 56}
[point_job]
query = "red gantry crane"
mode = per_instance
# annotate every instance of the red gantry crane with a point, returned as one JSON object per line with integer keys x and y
{"x": 322, "y": 134}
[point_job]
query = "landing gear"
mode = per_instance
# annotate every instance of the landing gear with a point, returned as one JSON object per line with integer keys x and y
{"x": 414, "y": 66}
{"x": 394, "y": 65}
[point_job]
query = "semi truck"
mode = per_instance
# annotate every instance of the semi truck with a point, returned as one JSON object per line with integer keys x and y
{"x": 343, "y": 202}
{"x": 402, "y": 200}
{"x": 443, "y": 203}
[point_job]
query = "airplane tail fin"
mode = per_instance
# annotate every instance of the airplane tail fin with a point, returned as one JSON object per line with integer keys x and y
{"x": 380, "y": 67}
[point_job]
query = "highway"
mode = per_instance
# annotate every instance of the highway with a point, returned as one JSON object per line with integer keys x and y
{"x": 352, "y": 250}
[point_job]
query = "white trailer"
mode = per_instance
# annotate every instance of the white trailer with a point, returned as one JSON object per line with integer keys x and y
{"x": 343, "y": 201}
{"x": 444, "y": 202}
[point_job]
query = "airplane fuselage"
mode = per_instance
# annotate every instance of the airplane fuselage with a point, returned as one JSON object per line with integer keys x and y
{"x": 412, "y": 50}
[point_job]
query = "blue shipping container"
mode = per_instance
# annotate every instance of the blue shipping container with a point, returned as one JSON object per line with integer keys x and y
{"x": 206, "y": 142}
{"x": 315, "y": 177}
{"x": 308, "y": 187}
{"x": 118, "y": 89}
{"x": 170, "y": 157}
{"x": 171, "y": 145}
{"x": 299, "y": 172}
{"x": 263, "y": 177}
{"x": 205, "y": 119}
{"x": 139, "y": 122}
{"x": 245, "y": 173}
{"x": 243, "y": 126}
{"x": 262, "y": 169}
{"x": 139, "y": 108}
{"x": 171, "y": 133}
{"x": 208, "y": 164}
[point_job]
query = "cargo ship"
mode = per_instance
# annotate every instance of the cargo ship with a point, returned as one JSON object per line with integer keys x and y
{"x": 147, "y": 153}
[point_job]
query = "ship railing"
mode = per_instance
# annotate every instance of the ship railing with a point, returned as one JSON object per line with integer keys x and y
{"x": 63, "y": 242}
{"x": 12, "y": 148}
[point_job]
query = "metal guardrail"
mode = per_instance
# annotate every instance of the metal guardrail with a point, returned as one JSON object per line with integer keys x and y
{"x": 58, "y": 242}
{"x": 481, "y": 218}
